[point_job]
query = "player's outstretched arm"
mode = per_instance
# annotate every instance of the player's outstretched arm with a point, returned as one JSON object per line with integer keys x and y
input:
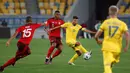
{"x": 45, "y": 27}
{"x": 97, "y": 36}
{"x": 55, "y": 28}
{"x": 12, "y": 37}
{"x": 89, "y": 31}
{"x": 127, "y": 41}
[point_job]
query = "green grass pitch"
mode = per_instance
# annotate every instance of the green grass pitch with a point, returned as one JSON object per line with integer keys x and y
{"x": 35, "y": 62}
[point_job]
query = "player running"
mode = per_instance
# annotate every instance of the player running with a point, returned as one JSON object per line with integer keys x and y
{"x": 54, "y": 37}
{"x": 27, "y": 32}
{"x": 71, "y": 34}
{"x": 113, "y": 29}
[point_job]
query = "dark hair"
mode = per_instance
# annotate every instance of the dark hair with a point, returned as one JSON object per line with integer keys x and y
{"x": 28, "y": 19}
{"x": 57, "y": 11}
{"x": 75, "y": 17}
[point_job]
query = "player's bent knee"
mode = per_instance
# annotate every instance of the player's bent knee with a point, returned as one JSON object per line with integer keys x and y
{"x": 60, "y": 47}
{"x": 18, "y": 57}
{"x": 29, "y": 53}
{"x": 77, "y": 43}
{"x": 79, "y": 53}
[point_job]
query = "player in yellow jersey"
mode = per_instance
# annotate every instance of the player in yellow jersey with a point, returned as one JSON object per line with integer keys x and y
{"x": 113, "y": 29}
{"x": 71, "y": 34}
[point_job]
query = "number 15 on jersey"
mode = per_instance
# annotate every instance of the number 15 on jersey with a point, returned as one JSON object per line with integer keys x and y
{"x": 26, "y": 33}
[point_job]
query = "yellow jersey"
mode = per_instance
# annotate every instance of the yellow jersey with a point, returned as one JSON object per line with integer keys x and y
{"x": 71, "y": 30}
{"x": 113, "y": 31}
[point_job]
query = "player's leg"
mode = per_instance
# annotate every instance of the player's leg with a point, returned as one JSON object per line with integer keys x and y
{"x": 59, "y": 47}
{"x": 50, "y": 50}
{"x": 9, "y": 62}
{"x": 71, "y": 61}
{"x": 20, "y": 54}
{"x": 116, "y": 58}
{"x": 77, "y": 50}
{"x": 83, "y": 49}
{"x": 57, "y": 52}
{"x": 108, "y": 59}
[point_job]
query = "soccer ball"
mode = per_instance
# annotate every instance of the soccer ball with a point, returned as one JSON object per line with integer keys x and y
{"x": 87, "y": 56}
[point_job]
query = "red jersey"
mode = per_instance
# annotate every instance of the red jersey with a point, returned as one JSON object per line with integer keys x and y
{"x": 27, "y": 32}
{"x": 52, "y": 22}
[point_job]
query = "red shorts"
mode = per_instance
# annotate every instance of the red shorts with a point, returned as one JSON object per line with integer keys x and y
{"x": 56, "y": 40}
{"x": 23, "y": 50}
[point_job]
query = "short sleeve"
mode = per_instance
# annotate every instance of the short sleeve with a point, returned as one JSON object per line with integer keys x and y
{"x": 18, "y": 29}
{"x": 102, "y": 27}
{"x": 65, "y": 25}
{"x": 125, "y": 28}
{"x": 83, "y": 29}
{"x": 79, "y": 27}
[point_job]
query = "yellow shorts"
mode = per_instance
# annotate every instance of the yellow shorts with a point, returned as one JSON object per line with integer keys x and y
{"x": 110, "y": 57}
{"x": 71, "y": 43}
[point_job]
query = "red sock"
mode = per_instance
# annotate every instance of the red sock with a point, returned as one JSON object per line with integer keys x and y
{"x": 9, "y": 62}
{"x": 56, "y": 53}
{"x": 50, "y": 51}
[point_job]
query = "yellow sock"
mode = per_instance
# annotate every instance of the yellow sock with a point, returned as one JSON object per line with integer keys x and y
{"x": 107, "y": 69}
{"x": 73, "y": 58}
{"x": 82, "y": 48}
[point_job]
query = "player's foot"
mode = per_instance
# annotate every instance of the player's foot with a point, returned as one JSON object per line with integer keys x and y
{"x": 90, "y": 52}
{"x": 50, "y": 61}
{"x": 47, "y": 61}
{"x": 1, "y": 69}
{"x": 71, "y": 63}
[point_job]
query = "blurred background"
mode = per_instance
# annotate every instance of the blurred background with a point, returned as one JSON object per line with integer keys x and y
{"x": 91, "y": 13}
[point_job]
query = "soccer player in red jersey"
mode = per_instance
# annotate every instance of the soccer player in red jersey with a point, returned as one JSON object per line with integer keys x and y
{"x": 27, "y": 32}
{"x": 54, "y": 36}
